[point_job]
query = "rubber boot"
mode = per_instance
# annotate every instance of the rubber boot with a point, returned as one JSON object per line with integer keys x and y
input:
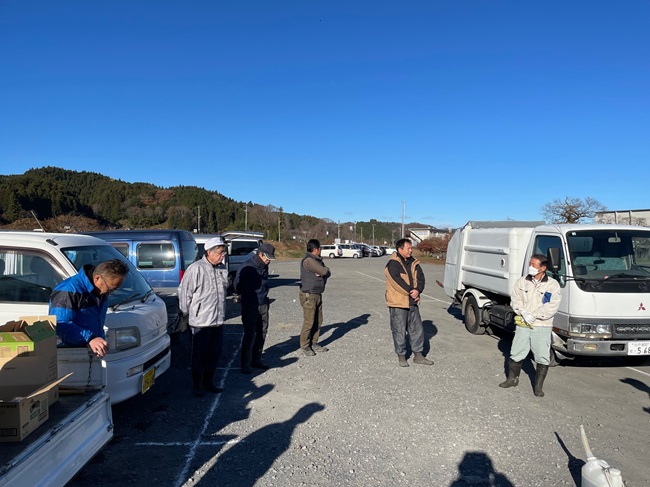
{"x": 208, "y": 381}
{"x": 401, "y": 360}
{"x": 197, "y": 383}
{"x": 418, "y": 358}
{"x": 540, "y": 375}
{"x": 513, "y": 375}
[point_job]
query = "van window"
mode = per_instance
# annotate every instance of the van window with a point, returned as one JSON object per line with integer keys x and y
{"x": 243, "y": 247}
{"x": 156, "y": 256}
{"x": 122, "y": 247}
{"x": 29, "y": 276}
{"x": 190, "y": 252}
{"x": 134, "y": 284}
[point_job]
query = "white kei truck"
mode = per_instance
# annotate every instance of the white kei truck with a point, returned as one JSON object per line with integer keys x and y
{"x": 80, "y": 422}
{"x": 603, "y": 271}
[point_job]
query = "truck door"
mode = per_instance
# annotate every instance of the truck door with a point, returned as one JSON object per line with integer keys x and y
{"x": 541, "y": 245}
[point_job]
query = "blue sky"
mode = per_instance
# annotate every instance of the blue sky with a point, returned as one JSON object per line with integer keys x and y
{"x": 464, "y": 110}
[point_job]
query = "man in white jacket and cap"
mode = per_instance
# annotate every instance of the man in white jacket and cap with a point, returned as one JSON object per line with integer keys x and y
{"x": 202, "y": 297}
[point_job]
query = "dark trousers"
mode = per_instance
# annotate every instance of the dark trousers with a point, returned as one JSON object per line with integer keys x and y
{"x": 312, "y": 309}
{"x": 256, "y": 324}
{"x": 206, "y": 348}
{"x": 403, "y": 321}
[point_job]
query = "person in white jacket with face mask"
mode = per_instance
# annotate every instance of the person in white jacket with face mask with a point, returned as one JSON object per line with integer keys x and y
{"x": 535, "y": 300}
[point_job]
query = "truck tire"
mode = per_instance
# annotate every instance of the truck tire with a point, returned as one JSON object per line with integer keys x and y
{"x": 472, "y": 316}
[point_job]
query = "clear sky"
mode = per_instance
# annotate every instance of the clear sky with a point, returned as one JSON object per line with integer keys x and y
{"x": 341, "y": 109}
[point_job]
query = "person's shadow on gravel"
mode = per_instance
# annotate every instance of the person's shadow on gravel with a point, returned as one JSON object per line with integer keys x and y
{"x": 340, "y": 329}
{"x": 638, "y": 385}
{"x": 476, "y": 470}
{"x": 247, "y": 461}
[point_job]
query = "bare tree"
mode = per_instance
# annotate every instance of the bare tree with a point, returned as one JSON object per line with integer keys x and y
{"x": 571, "y": 210}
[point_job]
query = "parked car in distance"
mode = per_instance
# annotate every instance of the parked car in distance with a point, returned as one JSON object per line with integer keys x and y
{"x": 378, "y": 250}
{"x": 241, "y": 245}
{"x": 135, "y": 328}
{"x": 331, "y": 251}
{"x": 389, "y": 250}
{"x": 161, "y": 256}
{"x": 350, "y": 250}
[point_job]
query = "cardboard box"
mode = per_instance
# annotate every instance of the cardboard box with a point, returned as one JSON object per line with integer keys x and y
{"x": 23, "y": 409}
{"x": 28, "y": 355}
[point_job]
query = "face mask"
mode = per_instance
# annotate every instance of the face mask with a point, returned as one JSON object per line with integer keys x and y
{"x": 533, "y": 271}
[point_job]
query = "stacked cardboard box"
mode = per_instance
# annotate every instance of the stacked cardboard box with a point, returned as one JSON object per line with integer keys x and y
{"x": 28, "y": 375}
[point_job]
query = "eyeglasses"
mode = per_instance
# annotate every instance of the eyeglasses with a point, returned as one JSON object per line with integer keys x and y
{"x": 111, "y": 290}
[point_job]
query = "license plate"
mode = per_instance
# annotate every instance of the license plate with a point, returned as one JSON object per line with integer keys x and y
{"x": 148, "y": 378}
{"x": 638, "y": 348}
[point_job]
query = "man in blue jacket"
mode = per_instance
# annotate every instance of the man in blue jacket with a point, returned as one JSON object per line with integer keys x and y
{"x": 251, "y": 283}
{"x": 81, "y": 301}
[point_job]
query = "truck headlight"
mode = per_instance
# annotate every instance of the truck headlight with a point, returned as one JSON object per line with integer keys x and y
{"x": 591, "y": 329}
{"x": 123, "y": 339}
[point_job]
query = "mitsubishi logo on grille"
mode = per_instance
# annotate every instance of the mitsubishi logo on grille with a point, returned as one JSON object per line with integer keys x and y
{"x": 641, "y": 307}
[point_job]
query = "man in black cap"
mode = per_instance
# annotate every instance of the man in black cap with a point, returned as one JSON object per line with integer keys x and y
{"x": 251, "y": 283}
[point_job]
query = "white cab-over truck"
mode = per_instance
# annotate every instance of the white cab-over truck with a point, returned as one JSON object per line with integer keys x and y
{"x": 603, "y": 271}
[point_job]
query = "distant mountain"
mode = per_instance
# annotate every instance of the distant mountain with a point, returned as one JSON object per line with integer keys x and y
{"x": 79, "y": 201}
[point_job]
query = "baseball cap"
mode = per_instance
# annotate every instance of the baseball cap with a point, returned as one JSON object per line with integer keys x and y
{"x": 213, "y": 242}
{"x": 268, "y": 250}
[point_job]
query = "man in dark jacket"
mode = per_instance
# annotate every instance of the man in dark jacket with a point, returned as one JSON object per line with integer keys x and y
{"x": 313, "y": 277}
{"x": 404, "y": 284}
{"x": 80, "y": 304}
{"x": 251, "y": 283}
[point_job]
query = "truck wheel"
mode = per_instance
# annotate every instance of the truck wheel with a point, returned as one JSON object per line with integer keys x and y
{"x": 555, "y": 359}
{"x": 473, "y": 317}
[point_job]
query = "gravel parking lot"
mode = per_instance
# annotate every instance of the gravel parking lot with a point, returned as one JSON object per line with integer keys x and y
{"x": 352, "y": 417}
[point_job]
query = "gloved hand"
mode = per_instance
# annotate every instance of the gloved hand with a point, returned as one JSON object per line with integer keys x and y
{"x": 528, "y": 317}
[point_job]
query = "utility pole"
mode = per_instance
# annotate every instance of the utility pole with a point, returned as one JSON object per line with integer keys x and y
{"x": 403, "y": 209}
{"x": 278, "y": 229}
{"x": 361, "y": 232}
{"x": 373, "y": 234}
{"x": 198, "y": 222}
{"x": 338, "y": 230}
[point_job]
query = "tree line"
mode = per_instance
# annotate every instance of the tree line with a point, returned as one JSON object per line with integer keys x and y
{"x": 65, "y": 200}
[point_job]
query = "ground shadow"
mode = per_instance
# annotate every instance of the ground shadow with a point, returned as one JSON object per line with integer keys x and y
{"x": 247, "y": 461}
{"x": 430, "y": 330}
{"x": 637, "y": 384}
{"x": 340, "y": 329}
{"x": 574, "y": 464}
{"x": 476, "y": 469}
{"x": 455, "y": 312}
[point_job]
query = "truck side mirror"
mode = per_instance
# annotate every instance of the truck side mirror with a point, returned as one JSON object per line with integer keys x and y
{"x": 553, "y": 257}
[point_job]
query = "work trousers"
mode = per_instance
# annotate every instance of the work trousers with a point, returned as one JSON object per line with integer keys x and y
{"x": 405, "y": 321}
{"x": 537, "y": 339}
{"x": 312, "y": 309}
{"x": 206, "y": 347}
{"x": 255, "y": 319}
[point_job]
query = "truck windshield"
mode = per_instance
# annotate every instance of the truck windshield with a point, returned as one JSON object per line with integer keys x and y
{"x": 134, "y": 286}
{"x": 610, "y": 254}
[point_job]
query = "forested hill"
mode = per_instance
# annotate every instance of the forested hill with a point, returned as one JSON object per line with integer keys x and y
{"x": 53, "y": 192}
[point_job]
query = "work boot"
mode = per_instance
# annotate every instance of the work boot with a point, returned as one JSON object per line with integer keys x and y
{"x": 308, "y": 352}
{"x": 319, "y": 348}
{"x": 418, "y": 358}
{"x": 197, "y": 383}
{"x": 208, "y": 381}
{"x": 540, "y": 375}
{"x": 513, "y": 375}
{"x": 401, "y": 360}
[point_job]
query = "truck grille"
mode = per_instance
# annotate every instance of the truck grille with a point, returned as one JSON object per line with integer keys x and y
{"x": 632, "y": 331}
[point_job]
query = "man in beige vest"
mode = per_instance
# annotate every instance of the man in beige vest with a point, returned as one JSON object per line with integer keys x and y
{"x": 404, "y": 284}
